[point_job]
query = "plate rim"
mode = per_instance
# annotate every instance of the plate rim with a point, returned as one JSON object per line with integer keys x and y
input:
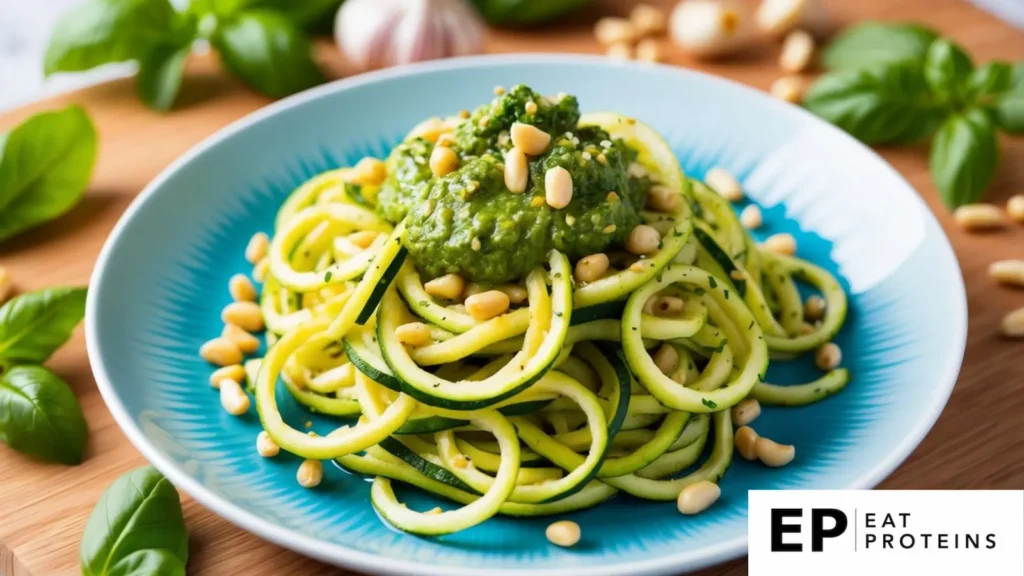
{"x": 340, "y": 555}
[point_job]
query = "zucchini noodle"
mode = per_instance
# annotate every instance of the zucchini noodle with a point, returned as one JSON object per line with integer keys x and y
{"x": 588, "y": 387}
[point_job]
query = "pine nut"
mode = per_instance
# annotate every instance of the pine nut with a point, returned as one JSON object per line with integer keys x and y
{"x": 828, "y": 356}
{"x": 778, "y": 16}
{"x": 648, "y": 51}
{"x": 773, "y": 454}
{"x": 245, "y": 315}
{"x": 413, "y": 334}
{"x": 516, "y": 293}
{"x": 563, "y": 533}
{"x": 558, "y": 187}
{"x": 814, "y": 308}
{"x": 261, "y": 270}
{"x": 643, "y": 240}
{"x": 234, "y": 400}
{"x": 636, "y": 171}
{"x": 781, "y": 244}
{"x": 725, "y": 184}
{"x": 443, "y": 160}
{"x": 5, "y": 284}
{"x": 257, "y": 248}
{"x": 698, "y": 497}
{"x": 620, "y": 51}
{"x": 1013, "y": 324}
{"x": 449, "y": 286}
{"x": 666, "y": 359}
{"x": 233, "y": 372}
{"x": 241, "y": 288}
{"x": 436, "y": 511}
{"x": 973, "y": 217}
{"x": 610, "y": 31}
{"x": 266, "y": 446}
{"x": 745, "y": 442}
{"x": 788, "y": 89}
{"x": 797, "y": 51}
{"x": 221, "y": 352}
{"x": 530, "y": 108}
{"x": 499, "y": 90}
{"x": 310, "y": 474}
{"x": 245, "y": 342}
{"x": 746, "y": 412}
{"x": 649, "y": 305}
{"x": 662, "y": 199}
{"x": 460, "y": 461}
{"x": 370, "y": 172}
{"x": 531, "y": 140}
{"x": 1015, "y": 208}
{"x": 487, "y": 305}
{"x": 668, "y": 306}
{"x": 1009, "y": 272}
{"x": 591, "y": 268}
{"x": 751, "y": 217}
{"x": 473, "y": 289}
{"x": 363, "y": 238}
{"x": 648, "y": 20}
{"x": 517, "y": 172}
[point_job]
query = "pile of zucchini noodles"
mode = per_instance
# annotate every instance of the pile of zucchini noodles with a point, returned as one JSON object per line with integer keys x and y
{"x": 551, "y": 407}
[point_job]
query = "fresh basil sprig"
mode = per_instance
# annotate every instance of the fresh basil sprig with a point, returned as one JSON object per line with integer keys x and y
{"x": 136, "y": 528}
{"x": 39, "y": 414}
{"x": 899, "y": 83}
{"x": 45, "y": 165}
{"x": 267, "y": 50}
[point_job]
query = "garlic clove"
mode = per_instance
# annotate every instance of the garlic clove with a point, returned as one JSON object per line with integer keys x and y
{"x": 708, "y": 28}
{"x": 378, "y": 33}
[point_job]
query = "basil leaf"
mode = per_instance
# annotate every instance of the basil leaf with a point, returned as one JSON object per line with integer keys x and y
{"x": 103, "y": 31}
{"x": 524, "y": 12}
{"x": 947, "y": 69}
{"x": 40, "y": 416}
{"x": 267, "y": 52}
{"x": 149, "y": 563}
{"x": 875, "y": 43}
{"x": 44, "y": 168}
{"x": 33, "y": 325}
{"x": 988, "y": 80}
{"x": 964, "y": 156}
{"x": 139, "y": 512}
{"x": 880, "y": 104}
{"x": 159, "y": 77}
{"x": 1010, "y": 107}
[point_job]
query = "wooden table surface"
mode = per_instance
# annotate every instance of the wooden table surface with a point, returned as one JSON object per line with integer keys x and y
{"x": 975, "y": 444}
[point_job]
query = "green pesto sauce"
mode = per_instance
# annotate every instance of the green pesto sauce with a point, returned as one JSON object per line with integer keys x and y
{"x": 467, "y": 222}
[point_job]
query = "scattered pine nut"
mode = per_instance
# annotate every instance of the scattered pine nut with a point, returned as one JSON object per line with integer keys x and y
{"x": 746, "y": 412}
{"x": 221, "y": 352}
{"x": 257, "y": 247}
{"x": 648, "y": 50}
{"x": 233, "y": 372}
{"x": 449, "y": 286}
{"x": 558, "y": 187}
{"x": 363, "y": 238}
{"x": 591, "y": 268}
{"x": 413, "y": 334}
{"x": 564, "y": 533}
{"x": 797, "y": 52}
{"x": 370, "y": 172}
{"x": 751, "y": 217}
{"x": 1013, "y": 324}
{"x": 643, "y": 240}
{"x": 788, "y": 89}
{"x": 610, "y": 31}
{"x": 620, "y": 51}
{"x": 499, "y": 90}
{"x": 814, "y": 308}
{"x": 977, "y": 217}
{"x": 443, "y": 161}
{"x": 828, "y": 356}
{"x": 233, "y": 399}
{"x": 725, "y": 184}
{"x": 662, "y": 199}
{"x": 530, "y": 108}
{"x": 531, "y": 140}
{"x": 487, "y": 305}
{"x": 517, "y": 172}
{"x": 666, "y": 359}
{"x": 1015, "y": 208}
{"x": 516, "y": 293}
{"x": 648, "y": 20}
{"x": 1009, "y": 272}
{"x": 668, "y": 306}
{"x": 779, "y": 16}
{"x": 773, "y": 454}
{"x": 261, "y": 270}
{"x": 460, "y": 461}
{"x": 745, "y": 442}
{"x": 5, "y": 284}
{"x": 245, "y": 341}
{"x": 698, "y": 497}
{"x": 245, "y": 315}
{"x": 266, "y": 446}
{"x": 781, "y": 244}
{"x": 241, "y": 288}
{"x": 310, "y": 474}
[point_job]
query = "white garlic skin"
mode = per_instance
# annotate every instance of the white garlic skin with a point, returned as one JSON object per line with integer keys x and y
{"x": 711, "y": 28}
{"x": 380, "y": 33}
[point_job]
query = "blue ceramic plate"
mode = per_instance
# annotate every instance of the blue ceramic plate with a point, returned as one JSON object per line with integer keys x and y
{"x": 161, "y": 282}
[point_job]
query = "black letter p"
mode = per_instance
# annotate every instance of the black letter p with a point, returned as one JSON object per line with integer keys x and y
{"x": 818, "y": 532}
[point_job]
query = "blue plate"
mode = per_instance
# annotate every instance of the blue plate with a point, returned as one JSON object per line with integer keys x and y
{"x": 162, "y": 278}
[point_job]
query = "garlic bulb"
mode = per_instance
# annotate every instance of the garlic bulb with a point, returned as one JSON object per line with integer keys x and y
{"x": 710, "y": 28}
{"x": 377, "y": 33}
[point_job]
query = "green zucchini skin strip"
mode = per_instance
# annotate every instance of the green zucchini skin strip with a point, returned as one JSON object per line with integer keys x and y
{"x": 370, "y": 363}
{"x": 432, "y": 424}
{"x": 426, "y": 468}
{"x": 802, "y": 394}
{"x": 835, "y": 302}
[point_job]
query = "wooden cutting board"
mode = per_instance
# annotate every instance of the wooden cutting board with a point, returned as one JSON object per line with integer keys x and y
{"x": 43, "y": 508}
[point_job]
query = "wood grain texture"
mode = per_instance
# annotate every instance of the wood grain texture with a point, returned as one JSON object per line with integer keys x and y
{"x": 976, "y": 443}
